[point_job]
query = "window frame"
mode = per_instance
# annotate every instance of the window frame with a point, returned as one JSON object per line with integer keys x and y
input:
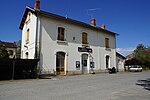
{"x": 28, "y": 36}
{"x": 27, "y": 55}
{"x": 28, "y": 18}
{"x": 61, "y": 34}
{"x": 11, "y": 52}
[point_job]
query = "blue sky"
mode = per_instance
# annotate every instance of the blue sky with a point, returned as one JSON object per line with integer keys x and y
{"x": 129, "y": 18}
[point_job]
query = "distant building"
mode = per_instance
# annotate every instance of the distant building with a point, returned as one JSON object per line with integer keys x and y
{"x": 120, "y": 62}
{"x": 11, "y": 47}
{"x": 66, "y": 46}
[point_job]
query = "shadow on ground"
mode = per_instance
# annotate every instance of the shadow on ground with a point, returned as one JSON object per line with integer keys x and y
{"x": 144, "y": 83}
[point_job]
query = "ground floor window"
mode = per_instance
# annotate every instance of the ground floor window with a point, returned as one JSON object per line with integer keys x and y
{"x": 27, "y": 55}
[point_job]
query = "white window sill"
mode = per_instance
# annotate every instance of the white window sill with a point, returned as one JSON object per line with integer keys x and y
{"x": 108, "y": 49}
{"x": 85, "y": 44}
{"x": 27, "y": 42}
{"x": 59, "y": 41}
{"x": 28, "y": 21}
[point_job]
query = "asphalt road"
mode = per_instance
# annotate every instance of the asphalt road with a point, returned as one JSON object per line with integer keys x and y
{"x": 120, "y": 86}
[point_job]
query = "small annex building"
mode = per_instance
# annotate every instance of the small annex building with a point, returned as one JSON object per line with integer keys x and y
{"x": 120, "y": 62}
{"x": 11, "y": 48}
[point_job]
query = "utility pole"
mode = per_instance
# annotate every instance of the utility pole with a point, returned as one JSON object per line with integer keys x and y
{"x": 13, "y": 70}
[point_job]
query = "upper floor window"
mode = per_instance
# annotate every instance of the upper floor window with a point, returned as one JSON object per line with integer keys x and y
{"x": 61, "y": 34}
{"x": 28, "y": 36}
{"x": 84, "y": 38}
{"x": 107, "y": 42}
{"x": 28, "y": 17}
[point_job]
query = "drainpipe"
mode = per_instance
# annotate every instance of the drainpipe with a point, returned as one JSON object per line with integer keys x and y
{"x": 13, "y": 71}
{"x": 36, "y": 39}
{"x": 37, "y": 42}
{"x": 115, "y": 48}
{"x": 37, "y": 10}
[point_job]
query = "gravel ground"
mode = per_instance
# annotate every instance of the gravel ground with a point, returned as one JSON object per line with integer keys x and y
{"x": 120, "y": 86}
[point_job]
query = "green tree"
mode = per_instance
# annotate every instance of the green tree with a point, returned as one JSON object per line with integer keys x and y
{"x": 142, "y": 54}
{"x": 18, "y": 51}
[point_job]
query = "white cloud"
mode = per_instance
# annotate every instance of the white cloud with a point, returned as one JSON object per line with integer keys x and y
{"x": 125, "y": 51}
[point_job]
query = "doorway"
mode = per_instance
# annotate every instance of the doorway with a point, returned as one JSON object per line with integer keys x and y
{"x": 84, "y": 63}
{"x": 107, "y": 62}
{"x": 60, "y": 63}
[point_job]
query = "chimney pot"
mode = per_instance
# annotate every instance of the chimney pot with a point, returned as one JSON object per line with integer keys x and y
{"x": 93, "y": 22}
{"x": 103, "y": 26}
{"x": 37, "y": 4}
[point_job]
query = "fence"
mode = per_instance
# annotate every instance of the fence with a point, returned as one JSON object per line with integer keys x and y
{"x": 18, "y": 68}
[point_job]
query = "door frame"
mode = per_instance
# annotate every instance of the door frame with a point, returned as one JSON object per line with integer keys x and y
{"x": 61, "y": 67}
{"x": 88, "y": 63}
{"x": 109, "y": 61}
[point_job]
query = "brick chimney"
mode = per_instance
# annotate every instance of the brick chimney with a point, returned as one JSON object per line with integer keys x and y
{"x": 93, "y": 22}
{"x": 37, "y": 5}
{"x": 103, "y": 26}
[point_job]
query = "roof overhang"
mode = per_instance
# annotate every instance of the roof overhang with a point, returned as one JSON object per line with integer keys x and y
{"x": 69, "y": 20}
{"x": 66, "y": 19}
{"x": 25, "y": 15}
{"x": 119, "y": 55}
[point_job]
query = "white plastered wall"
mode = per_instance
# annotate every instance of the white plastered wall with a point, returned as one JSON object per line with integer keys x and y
{"x": 29, "y": 47}
{"x": 50, "y": 46}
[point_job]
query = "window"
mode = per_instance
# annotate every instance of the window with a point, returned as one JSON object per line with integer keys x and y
{"x": 61, "y": 34}
{"x": 10, "y": 52}
{"x": 107, "y": 42}
{"x": 28, "y": 35}
{"x": 27, "y": 55}
{"x": 28, "y": 17}
{"x": 84, "y": 38}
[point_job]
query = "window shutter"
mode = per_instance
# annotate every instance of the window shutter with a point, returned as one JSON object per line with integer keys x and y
{"x": 107, "y": 42}
{"x": 84, "y": 38}
{"x": 61, "y": 33}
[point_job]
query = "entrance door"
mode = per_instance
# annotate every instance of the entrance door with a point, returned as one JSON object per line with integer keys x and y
{"x": 60, "y": 60}
{"x": 107, "y": 62}
{"x": 84, "y": 63}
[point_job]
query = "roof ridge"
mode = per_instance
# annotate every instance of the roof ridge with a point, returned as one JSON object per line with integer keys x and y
{"x": 63, "y": 18}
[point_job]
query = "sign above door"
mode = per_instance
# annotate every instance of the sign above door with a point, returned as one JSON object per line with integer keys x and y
{"x": 85, "y": 49}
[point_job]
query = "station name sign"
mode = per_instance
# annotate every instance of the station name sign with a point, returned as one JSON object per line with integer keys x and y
{"x": 84, "y": 49}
